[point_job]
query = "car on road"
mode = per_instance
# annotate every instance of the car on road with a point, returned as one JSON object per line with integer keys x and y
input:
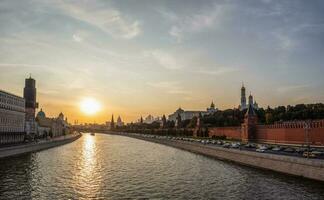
{"x": 250, "y": 145}
{"x": 260, "y": 150}
{"x": 263, "y": 147}
{"x": 226, "y": 145}
{"x": 318, "y": 153}
{"x": 277, "y": 148}
{"x": 300, "y": 150}
{"x": 308, "y": 154}
{"x": 289, "y": 150}
{"x": 235, "y": 145}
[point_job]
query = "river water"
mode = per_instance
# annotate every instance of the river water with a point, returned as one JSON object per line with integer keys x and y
{"x": 117, "y": 167}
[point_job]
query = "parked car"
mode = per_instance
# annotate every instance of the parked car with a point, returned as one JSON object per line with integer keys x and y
{"x": 308, "y": 154}
{"x": 250, "y": 145}
{"x": 278, "y": 148}
{"x": 262, "y": 147}
{"x": 260, "y": 150}
{"x": 289, "y": 150}
{"x": 318, "y": 153}
{"x": 235, "y": 145}
{"x": 300, "y": 150}
{"x": 226, "y": 145}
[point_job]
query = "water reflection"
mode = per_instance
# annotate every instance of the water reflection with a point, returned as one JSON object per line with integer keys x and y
{"x": 22, "y": 167}
{"x": 87, "y": 176}
{"x": 115, "y": 167}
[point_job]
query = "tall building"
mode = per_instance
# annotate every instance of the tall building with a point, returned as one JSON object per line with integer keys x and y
{"x": 243, "y": 98}
{"x": 12, "y": 118}
{"x": 30, "y": 105}
{"x": 245, "y": 105}
{"x": 30, "y": 98}
{"x": 112, "y": 122}
{"x": 119, "y": 122}
{"x": 250, "y": 100}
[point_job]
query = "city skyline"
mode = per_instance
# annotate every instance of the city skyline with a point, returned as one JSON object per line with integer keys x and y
{"x": 150, "y": 58}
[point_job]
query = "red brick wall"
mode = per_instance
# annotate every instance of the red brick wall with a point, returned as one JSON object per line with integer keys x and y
{"x": 290, "y": 135}
{"x": 287, "y": 132}
{"x": 229, "y": 132}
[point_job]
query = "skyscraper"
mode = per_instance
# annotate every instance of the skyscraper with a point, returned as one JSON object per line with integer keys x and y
{"x": 30, "y": 105}
{"x": 30, "y": 98}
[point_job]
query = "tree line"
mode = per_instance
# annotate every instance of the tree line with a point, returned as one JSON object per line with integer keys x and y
{"x": 235, "y": 117}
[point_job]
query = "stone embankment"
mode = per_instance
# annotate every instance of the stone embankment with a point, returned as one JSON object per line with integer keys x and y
{"x": 37, "y": 146}
{"x": 297, "y": 166}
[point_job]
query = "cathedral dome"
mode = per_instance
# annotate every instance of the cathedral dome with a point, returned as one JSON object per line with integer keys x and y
{"x": 212, "y": 105}
{"x": 119, "y": 119}
{"x": 61, "y": 116}
{"x": 180, "y": 110}
{"x": 41, "y": 114}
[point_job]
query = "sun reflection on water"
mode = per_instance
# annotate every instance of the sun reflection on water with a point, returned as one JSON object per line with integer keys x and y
{"x": 87, "y": 178}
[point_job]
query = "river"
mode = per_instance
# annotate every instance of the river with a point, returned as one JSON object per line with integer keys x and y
{"x": 117, "y": 167}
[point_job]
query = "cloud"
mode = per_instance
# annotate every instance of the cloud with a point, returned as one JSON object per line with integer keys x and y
{"x": 285, "y": 41}
{"x": 106, "y": 19}
{"x": 291, "y": 88}
{"x": 165, "y": 59}
{"x": 198, "y": 22}
{"x": 77, "y": 38}
{"x": 218, "y": 71}
{"x": 170, "y": 87}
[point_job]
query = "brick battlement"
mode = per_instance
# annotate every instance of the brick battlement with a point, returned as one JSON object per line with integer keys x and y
{"x": 290, "y": 132}
{"x": 294, "y": 124}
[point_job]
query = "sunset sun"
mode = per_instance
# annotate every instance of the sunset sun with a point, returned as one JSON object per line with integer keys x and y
{"x": 90, "y": 106}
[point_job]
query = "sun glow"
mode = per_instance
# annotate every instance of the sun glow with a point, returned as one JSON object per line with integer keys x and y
{"x": 90, "y": 106}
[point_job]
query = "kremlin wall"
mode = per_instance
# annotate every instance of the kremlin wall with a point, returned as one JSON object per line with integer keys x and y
{"x": 285, "y": 133}
{"x": 296, "y": 132}
{"x": 309, "y": 132}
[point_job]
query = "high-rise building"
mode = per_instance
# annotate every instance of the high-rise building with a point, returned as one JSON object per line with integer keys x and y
{"x": 30, "y": 105}
{"x": 30, "y": 98}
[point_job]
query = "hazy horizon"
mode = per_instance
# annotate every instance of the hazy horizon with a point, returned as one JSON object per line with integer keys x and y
{"x": 145, "y": 57}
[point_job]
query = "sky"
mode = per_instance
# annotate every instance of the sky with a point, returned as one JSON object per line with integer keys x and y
{"x": 150, "y": 57}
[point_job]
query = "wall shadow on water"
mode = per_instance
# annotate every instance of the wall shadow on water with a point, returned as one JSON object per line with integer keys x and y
{"x": 16, "y": 175}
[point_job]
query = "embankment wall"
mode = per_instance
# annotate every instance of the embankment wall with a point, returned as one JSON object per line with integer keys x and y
{"x": 303, "y": 167}
{"x": 27, "y": 148}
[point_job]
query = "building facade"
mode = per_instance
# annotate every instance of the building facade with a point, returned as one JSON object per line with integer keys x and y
{"x": 12, "y": 118}
{"x": 190, "y": 114}
{"x": 52, "y": 127}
